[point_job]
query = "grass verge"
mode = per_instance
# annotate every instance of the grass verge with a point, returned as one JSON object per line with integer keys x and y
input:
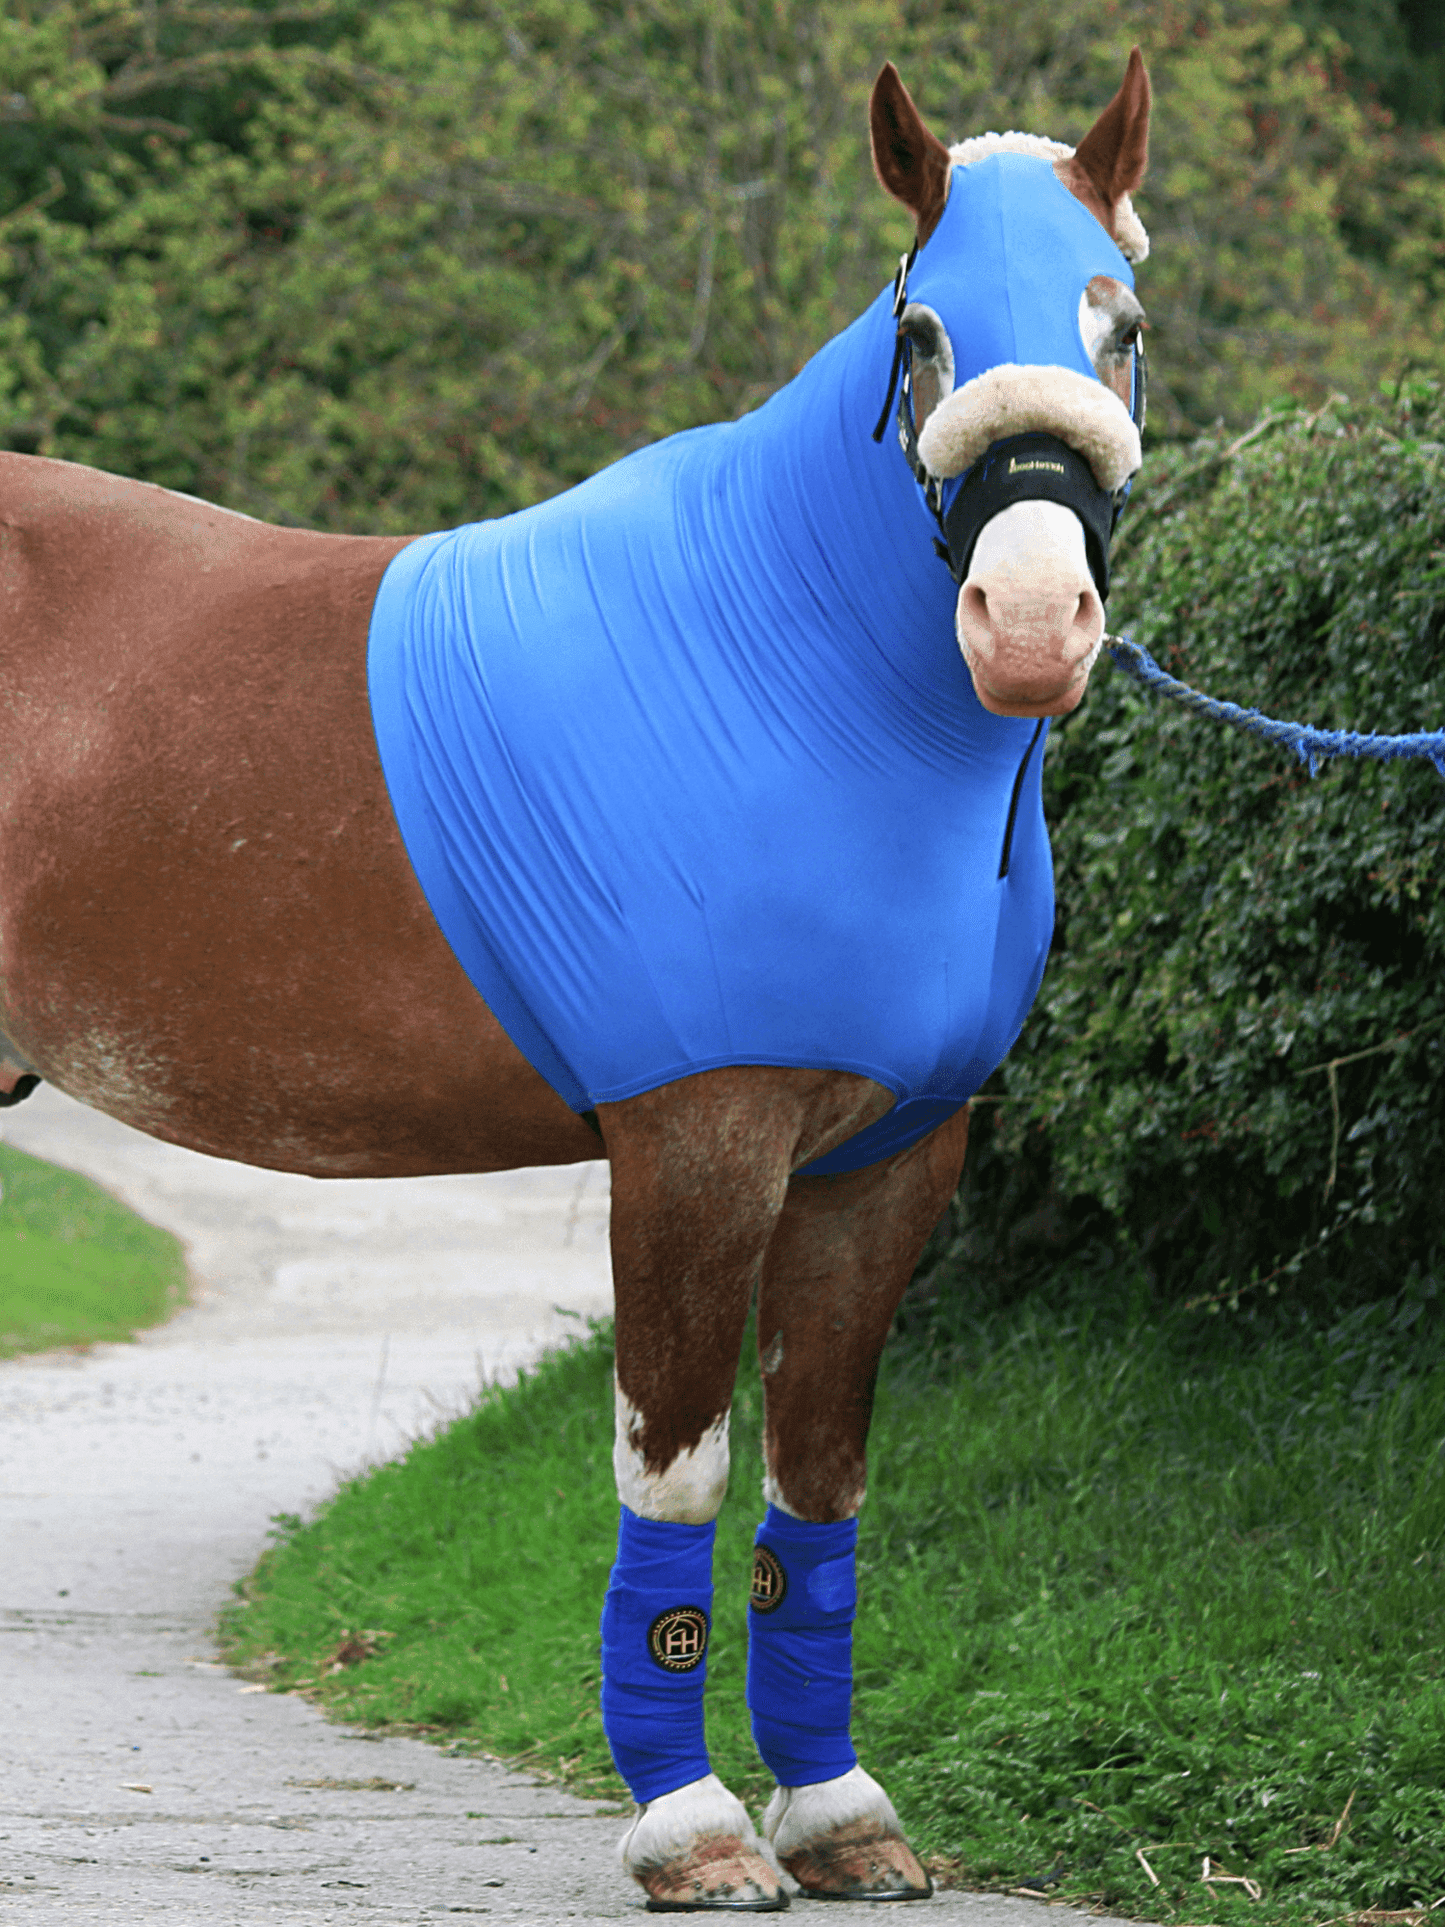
{"x": 1134, "y": 1594}
{"x": 76, "y": 1267}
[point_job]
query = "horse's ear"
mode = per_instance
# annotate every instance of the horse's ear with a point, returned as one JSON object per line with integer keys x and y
{"x": 1114, "y": 154}
{"x": 912, "y": 163}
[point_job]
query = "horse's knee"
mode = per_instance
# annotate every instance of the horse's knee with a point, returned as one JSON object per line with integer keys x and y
{"x": 837, "y": 1264}
{"x": 688, "y": 1489}
{"x": 819, "y": 1485}
{"x": 699, "y": 1175}
{"x": 815, "y": 1432}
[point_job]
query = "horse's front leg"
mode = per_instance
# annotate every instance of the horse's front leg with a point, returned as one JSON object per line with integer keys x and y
{"x": 836, "y": 1266}
{"x": 699, "y": 1177}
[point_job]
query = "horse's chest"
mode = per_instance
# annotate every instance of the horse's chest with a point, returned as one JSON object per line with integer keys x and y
{"x": 658, "y": 861}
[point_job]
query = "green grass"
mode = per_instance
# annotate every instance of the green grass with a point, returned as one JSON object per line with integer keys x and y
{"x": 76, "y": 1267}
{"x": 1176, "y": 1586}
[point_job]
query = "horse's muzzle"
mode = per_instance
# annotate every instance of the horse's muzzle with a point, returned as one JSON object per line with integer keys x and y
{"x": 1030, "y": 619}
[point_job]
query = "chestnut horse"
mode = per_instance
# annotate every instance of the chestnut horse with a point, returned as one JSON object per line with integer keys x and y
{"x": 222, "y": 919}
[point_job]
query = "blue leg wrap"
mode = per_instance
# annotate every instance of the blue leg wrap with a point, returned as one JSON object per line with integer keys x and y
{"x": 655, "y": 1628}
{"x": 800, "y": 1647}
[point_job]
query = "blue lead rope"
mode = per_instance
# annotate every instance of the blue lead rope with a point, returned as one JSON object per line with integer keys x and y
{"x": 1312, "y": 746}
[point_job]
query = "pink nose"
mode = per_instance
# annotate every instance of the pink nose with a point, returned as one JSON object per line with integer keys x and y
{"x": 1030, "y": 629}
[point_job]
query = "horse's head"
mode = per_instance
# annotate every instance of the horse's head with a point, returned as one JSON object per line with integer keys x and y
{"x": 1023, "y": 376}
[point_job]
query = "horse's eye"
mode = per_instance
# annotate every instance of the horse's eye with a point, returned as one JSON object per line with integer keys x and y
{"x": 1129, "y": 340}
{"x": 924, "y": 335}
{"x": 932, "y": 358}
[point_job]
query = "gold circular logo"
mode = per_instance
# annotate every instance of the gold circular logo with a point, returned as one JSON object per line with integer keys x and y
{"x": 770, "y": 1582}
{"x": 677, "y": 1639}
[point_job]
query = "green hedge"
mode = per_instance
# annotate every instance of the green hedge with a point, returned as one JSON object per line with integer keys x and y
{"x": 1226, "y": 925}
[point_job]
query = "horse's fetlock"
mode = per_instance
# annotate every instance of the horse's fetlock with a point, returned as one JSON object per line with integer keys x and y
{"x": 671, "y": 1826}
{"x": 798, "y": 1817}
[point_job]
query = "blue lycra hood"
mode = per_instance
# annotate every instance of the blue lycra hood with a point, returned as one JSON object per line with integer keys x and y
{"x": 1008, "y": 263}
{"x": 687, "y": 760}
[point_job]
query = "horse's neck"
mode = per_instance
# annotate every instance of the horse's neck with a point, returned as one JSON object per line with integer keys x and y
{"x": 815, "y": 503}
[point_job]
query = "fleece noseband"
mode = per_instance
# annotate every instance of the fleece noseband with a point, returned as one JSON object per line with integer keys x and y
{"x": 1035, "y": 466}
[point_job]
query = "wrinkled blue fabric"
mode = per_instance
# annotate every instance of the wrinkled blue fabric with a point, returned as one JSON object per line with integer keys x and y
{"x": 653, "y": 1719}
{"x": 687, "y": 760}
{"x": 800, "y": 1652}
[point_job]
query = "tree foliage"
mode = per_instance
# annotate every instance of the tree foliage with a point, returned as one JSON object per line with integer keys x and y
{"x": 1396, "y": 51}
{"x": 403, "y": 265}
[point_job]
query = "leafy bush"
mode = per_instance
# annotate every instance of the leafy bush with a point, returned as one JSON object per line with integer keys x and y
{"x": 1238, "y": 1050}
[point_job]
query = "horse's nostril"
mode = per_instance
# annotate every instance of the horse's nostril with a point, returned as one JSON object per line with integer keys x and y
{"x": 1088, "y": 618}
{"x": 976, "y": 602}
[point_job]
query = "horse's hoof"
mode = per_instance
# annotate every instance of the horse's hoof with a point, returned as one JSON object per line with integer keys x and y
{"x": 859, "y": 1862}
{"x": 720, "y": 1875}
{"x": 841, "y": 1840}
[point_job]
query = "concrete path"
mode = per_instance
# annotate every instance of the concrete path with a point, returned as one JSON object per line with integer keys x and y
{"x": 331, "y": 1323}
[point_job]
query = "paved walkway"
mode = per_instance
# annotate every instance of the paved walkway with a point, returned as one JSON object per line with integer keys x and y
{"x": 332, "y": 1322}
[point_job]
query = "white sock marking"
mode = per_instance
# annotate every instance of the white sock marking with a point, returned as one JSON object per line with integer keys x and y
{"x": 667, "y": 1829}
{"x": 799, "y": 1816}
{"x": 690, "y": 1491}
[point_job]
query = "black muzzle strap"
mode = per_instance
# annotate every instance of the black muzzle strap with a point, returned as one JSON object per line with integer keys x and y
{"x": 1028, "y": 468}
